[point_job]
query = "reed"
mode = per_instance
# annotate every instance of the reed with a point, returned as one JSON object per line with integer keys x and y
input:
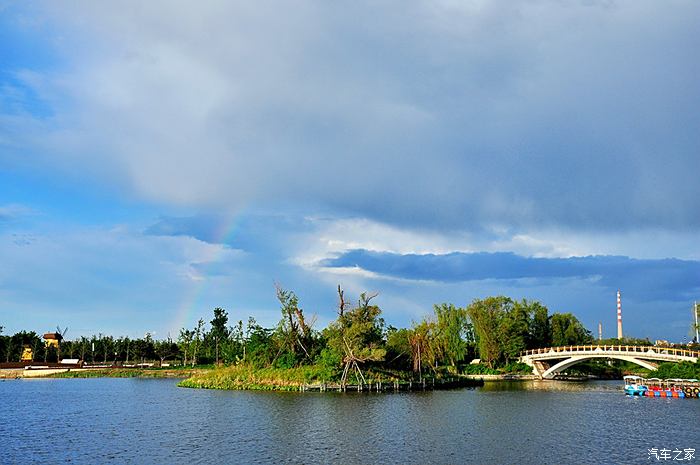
{"x": 249, "y": 377}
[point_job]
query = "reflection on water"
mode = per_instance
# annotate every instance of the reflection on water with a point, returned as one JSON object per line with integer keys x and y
{"x": 152, "y": 421}
{"x": 553, "y": 386}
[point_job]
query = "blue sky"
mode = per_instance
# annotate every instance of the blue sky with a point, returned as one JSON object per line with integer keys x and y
{"x": 159, "y": 159}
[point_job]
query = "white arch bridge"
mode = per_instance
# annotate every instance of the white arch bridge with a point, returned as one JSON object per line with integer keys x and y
{"x": 546, "y": 363}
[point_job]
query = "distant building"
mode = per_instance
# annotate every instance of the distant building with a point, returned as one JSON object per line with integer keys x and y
{"x": 52, "y": 340}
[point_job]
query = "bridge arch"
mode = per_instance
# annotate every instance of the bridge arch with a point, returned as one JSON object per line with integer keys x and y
{"x": 565, "y": 356}
{"x": 552, "y": 371}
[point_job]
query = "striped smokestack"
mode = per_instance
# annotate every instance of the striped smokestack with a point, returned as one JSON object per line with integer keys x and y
{"x": 619, "y": 316}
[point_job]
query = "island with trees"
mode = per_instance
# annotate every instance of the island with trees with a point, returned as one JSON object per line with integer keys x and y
{"x": 453, "y": 344}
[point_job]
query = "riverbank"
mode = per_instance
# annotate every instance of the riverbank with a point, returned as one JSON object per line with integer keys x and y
{"x": 246, "y": 377}
{"x": 175, "y": 373}
{"x": 14, "y": 373}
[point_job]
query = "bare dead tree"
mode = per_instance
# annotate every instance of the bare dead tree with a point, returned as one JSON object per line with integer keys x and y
{"x": 341, "y": 303}
{"x": 365, "y": 299}
{"x": 299, "y": 330}
{"x": 350, "y": 363}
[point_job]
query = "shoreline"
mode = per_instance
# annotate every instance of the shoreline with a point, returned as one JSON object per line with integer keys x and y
{"x": 20, "y": 373}
{"x": 244, "y": 378}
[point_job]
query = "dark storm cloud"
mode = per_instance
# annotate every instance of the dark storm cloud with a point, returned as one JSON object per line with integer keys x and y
{"x": 665, "y": 279}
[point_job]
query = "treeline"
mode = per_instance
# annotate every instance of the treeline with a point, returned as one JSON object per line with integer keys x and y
{"x": 495, "y": 330}
{"x": 94, "y": 349}
{"x": 683, "y": 370}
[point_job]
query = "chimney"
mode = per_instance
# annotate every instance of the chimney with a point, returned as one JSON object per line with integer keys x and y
{"x": 619, "y": 316}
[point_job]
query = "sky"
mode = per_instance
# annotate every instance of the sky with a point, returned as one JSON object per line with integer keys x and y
{"x": 159, "y": 159}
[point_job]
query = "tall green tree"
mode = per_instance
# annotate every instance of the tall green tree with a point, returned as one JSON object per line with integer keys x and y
{"x": 514, "y": 330}
{"x": 452, "y": 332}
{"x": 185, "y": 343}
{"x": 426, "y": 346}
{"x": 568, "y": 330}
{"x": 197, "y": 340}
{"x": 219, "y": 329}
{"x": 540, "y": 327}
{"x": 487, "y": 316}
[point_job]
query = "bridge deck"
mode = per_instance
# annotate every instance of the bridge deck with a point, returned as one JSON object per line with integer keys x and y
{"x": 652, "y": 350}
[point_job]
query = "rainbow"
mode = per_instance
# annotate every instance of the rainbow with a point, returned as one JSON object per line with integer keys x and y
{"x": 184, "y": 316}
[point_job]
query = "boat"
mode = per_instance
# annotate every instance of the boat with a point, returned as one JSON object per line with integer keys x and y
{"x": 691, "y": 387}
{"x": 635, "y": 386}
{"x": 657, "y": 387}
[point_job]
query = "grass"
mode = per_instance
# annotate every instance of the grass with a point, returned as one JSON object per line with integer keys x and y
{"x": 236, "y": 377}
{"x": 245, "y": 376}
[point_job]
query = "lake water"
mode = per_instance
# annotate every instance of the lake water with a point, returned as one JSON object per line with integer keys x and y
{"x": 97, "y": 421}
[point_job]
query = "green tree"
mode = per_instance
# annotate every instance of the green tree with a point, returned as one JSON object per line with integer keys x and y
{"x": 426, "y": 347}
{"x": 452, "y": 332}
{"x": 568, "y": 330}
{"x": 165, "y": 349}
{"x": 487, "y": 316}
{"x": 219, "y": 329}
{"x": 356, "y": 336}
{"x": 197, "y": 340}
{"x": 250, "y": 326}
{"x": 108, "y": 346}
{"x": 144, "y": 348}
{"x": 293, "y": 332}
{"x": 185, "y": 342}
{"x": 125, "y": 345}
{"x": 235, "y": 347}
{"x": 514, "y": 330}
{"x": 540, "y": 328}
{"x": 398, "y": 348}
{"x": 261, "y": 351}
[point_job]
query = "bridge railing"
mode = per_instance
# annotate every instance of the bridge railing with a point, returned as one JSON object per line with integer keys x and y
{"x": 615, "y": 348}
